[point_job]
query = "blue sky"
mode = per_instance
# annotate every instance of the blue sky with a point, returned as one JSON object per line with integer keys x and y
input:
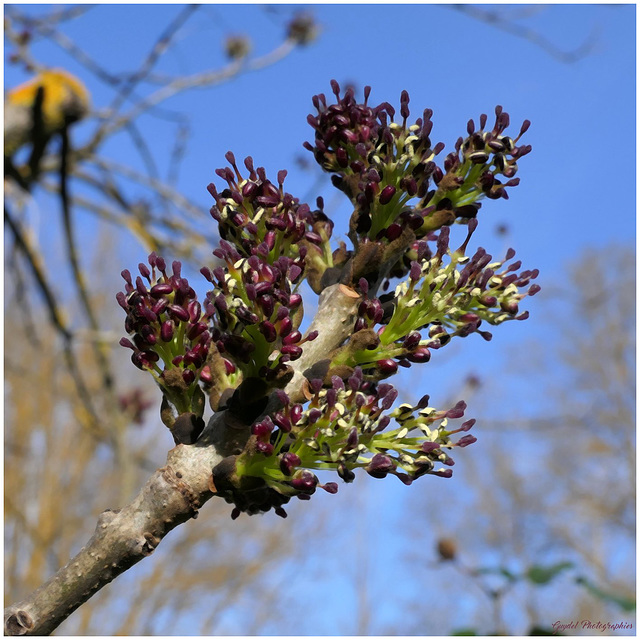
{"x": 577, "y": 187}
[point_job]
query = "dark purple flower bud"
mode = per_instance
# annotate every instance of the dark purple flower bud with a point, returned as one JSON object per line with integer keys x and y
{"x": 443, "y": 241}
{"x": 443, "y": 473}
{"x": 126, "y": 274}
{"x": 393, "y": 231}
{"x": 263, "y": 428}
{"x": 429, "y": 447}
{"x": 246, "y": 316}
{"x": 205, "y": 375}
{"x": 138, "y": 360}
{"x": 144, "y": 270}
{"x": 412, "y": 340}
{"x": 330, "y": 487}
{"x": 420, "y": 355}
{"x": 142, "y": 290}
{"x": 342, "y": 157}
{"x": 488, "y": 301}
{"x": 293, "y": 351}
{"x": 161, "y": 289}
{"x": 336, "y": 381}
{"x": 178, "y": 313}
{"x": 288, "y": 461}
{"x": 415, "y": 272}
{"x": 196, "y": 330}
{"x": 465, "y": 441}
{"x": 229, "y": 367}
{"x": 122, "y": 300}
{"x": 387, "y": 367}
{"x": 380, "y": 466}
{"x": 510, "y": 306}
{"x": 265, "y": 448}
{"x": 383, "y": 423}
{"x": 268, "y": 331}
{"x": 294, "y": 272}
{"x": 125, "y": 342}
{"x": 292, "y": 338}
{"x": 166, "y": 331}
{"x": 194, "y": 310}
{"x": 304, "y": 481}
{"x": 457, "y": 411}
{"x": 296, "y": 413}
{"x": 285, "y": 327}
{"x": 387, "y": 194}
{"x": 188, "y": 375}
{"x": 533, "y": 289}
{"x": 295, "y": 300}
{"x": 467, "y": 425}
{"x": 364, "y": 285}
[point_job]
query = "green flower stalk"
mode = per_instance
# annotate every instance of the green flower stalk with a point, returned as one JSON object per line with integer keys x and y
{"x": 343, "y": 428}
{"x": 171, "y": 339}
{"x": 451, "y": 298}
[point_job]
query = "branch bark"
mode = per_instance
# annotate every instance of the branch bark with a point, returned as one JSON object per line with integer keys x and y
{"x": 173, "y": 494}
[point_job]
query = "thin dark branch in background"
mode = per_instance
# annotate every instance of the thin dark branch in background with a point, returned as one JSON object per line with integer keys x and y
{"x": 55, "y": 313}
{"x": 55, "y": 17}
{"x": 48, "y": 30}
{"x": 37, "y": 271}
{"x": 178, "y": 154}
{"x": 143, "y": 150}
{"x": 160, "y": 46}
{"x": 74, "y": 261}
{"x": 498, "y": 20}
{"x": 21, "y": 297}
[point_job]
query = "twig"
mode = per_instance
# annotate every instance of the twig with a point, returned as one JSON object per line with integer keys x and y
{"x": 198, "y": 80}
{"x": 74, "y": 261}
{"x": 37, "y": 269}
{"x": 173, "y": 495}
{"x": 497, "y": 20}
{"x": 157, "y": 50}
{"x": 178, "y": 154}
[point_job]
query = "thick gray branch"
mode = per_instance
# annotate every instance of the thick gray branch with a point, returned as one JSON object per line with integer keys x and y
{"x": 172, "y": 495}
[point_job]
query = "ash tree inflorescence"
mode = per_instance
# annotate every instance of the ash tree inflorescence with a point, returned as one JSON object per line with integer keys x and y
{"x": 240, "y": 346}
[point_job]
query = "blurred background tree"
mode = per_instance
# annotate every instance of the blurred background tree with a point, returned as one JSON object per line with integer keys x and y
{"x": 550, "y": 485}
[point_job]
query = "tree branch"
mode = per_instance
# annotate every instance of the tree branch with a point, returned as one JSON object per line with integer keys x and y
{"x": 172, "y": 495}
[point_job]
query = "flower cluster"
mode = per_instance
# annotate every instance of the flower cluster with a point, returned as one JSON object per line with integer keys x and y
{"x": 171, "y": 337}
{"x": 388, "y": 168}
{"x": 243, "y": 343}
{"x": 380, "y": 164}
{"x": 261, "y": 219}
{"x": 447, "y": 299}
{"x": 255, "y": 312}
{"x": 343, "y": 427}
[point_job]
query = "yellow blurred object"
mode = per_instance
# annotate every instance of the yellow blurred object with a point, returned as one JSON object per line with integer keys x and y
{"x": 64, "y": 99}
